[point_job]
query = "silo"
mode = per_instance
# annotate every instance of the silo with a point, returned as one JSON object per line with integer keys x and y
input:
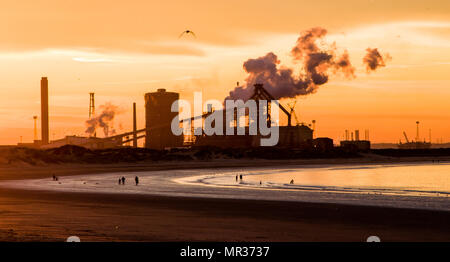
{"x": 158, "y": 119}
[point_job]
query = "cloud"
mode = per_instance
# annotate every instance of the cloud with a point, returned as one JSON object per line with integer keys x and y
{"x": 399, "y": 34}
{"x": 165, "y": 48}
{"x": 92, "y": 60}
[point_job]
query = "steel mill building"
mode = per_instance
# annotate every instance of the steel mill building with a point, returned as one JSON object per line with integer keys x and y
{"x": 158, "y": 134}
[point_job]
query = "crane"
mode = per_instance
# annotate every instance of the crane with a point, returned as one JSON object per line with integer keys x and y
{"x": 292, "y": 111}
{"x": 406, "y": 137}
{"x": 261, "y": 94}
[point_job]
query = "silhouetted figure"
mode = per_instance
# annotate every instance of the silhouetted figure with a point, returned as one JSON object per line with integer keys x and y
{"x": 236, "y": 178}
{"x": 54, "y": 178}
{"x": 120, "y": 181}
{"x": 137, "y": 180}
{"x": 240, "y": 177}
{"x": 123, "y": 180}
{"x": 292, "y": 182}
{"x": 260, "y": 182}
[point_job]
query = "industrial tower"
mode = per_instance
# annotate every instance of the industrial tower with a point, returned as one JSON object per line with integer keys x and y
{"x": 91, "y": 105}
{"x": 92, "y": 108}
{"x": 44, "y": 111}
{"x": 35, "y": 128}
{"x": 134, "y": 126}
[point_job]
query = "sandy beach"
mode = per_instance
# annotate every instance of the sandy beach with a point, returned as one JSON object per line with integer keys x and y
{"x": 32, "y": 215}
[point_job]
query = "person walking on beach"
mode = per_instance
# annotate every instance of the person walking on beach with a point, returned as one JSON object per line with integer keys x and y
{"x": 236, "y": 178}
{"x": 240, "y": 177}
{"x": 120, "y": 181}
{"x": 123, "y": 180}
{"x": 137, "y": 180}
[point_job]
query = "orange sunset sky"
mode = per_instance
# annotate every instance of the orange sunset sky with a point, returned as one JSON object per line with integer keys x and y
{"x": 123, "y": 49}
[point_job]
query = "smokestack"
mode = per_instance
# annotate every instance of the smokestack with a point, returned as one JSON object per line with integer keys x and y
{"x": 430, "y": 135}
{"x": 134, "y": 126}
{"x": 417, "y": 136}
{"x": 92, "y": 108}
{"x": 44, "y": 111}
{"x": 91, "y": 105}
{"x": 366, "y": 135}
{"x": 314, "y": 127}
{"x": 35, "y": 128}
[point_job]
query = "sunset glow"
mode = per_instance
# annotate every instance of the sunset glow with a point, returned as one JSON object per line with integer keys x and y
{"x": 87, "y": 46}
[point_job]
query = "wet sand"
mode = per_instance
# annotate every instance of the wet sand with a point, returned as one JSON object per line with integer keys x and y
{"x": 53, "y": 216}
{"x": 50, "y": 216}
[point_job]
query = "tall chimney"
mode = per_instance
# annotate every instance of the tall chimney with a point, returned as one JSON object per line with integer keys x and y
{"x": 430, "y": 135}
{"x": 314, "y": 128}
{"x": 35, "y": 128}
{"x": 44, "y": 110}
{"x": 134, "y": 126}
{"x": 417, "y": 136}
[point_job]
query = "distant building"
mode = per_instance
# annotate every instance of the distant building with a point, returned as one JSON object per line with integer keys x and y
{"x": 87, "y": 142}
{"x": 234, "y": 141}
{"x": 323, "y": 144}
{"x": 414, "y": 145}
{"x": 295, "y": 136}
{"x": 360, "y": 145}
{"x": 289, "y": 136}
{"x": 35, "y": 144}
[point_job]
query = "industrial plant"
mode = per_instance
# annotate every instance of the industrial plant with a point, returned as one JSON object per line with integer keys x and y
{"x": 417, "y": 144}
{"x": 158, "y": 135}
{"x": 353, "y": 141}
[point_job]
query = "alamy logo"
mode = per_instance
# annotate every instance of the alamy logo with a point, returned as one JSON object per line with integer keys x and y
{"x": 252, "y": 117}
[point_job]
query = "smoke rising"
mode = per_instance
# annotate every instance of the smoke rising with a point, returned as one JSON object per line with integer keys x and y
{"x": 317, "y": 62}
{"x": 373, "y": 59}
{"x": 103, "y": 120}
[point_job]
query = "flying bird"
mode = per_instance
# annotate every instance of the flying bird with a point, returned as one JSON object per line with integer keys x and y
{"x": 187, "y": 32}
